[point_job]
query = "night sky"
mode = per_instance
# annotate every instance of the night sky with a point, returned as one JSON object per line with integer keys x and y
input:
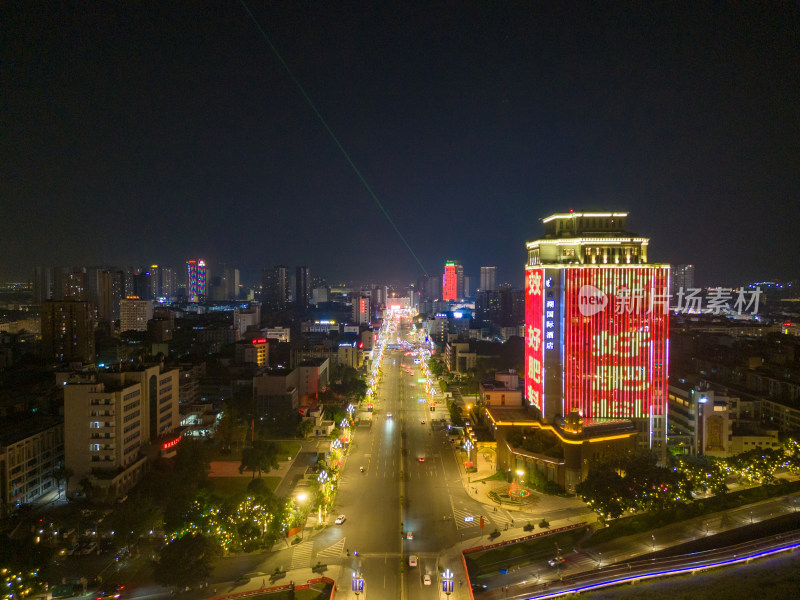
{"x": 152, "y": 132}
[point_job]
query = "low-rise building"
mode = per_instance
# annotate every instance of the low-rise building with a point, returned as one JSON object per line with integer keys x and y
{"x": 710, "y": 420}
{"x": 254, "y": 352}
{"x": 575, "y": 444}
{"x": 31, "y": 451}
{"x": 504, "y": 390}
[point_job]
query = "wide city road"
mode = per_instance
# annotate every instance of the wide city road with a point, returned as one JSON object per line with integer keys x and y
{"x": 410, "y": 500}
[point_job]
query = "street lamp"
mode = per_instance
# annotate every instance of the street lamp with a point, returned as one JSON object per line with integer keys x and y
{"x": 653, "y": 537}
{"x": 509, "y": 475}
{"x": 358, "y": 583}
{"x": 599, "y": 560}
{"x": 447, "y": 582}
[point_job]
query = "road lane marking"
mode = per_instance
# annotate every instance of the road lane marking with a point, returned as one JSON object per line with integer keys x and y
{"x": 334, "y": 550}
{"x": 301, "y": 556}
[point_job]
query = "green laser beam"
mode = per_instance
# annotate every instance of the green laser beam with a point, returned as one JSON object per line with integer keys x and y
{"x": 333, "y": 135}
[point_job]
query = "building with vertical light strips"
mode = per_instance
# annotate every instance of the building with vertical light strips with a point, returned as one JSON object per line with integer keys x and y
{"x": 597, "y": 325}
{"x": 195, "y": 280}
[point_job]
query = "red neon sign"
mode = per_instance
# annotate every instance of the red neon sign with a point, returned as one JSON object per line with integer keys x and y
{"x": 170, "y": 444}
{"x": 260, "y": 341}
{"x": 534, "y": 334}
{"x": 616, "y": 330}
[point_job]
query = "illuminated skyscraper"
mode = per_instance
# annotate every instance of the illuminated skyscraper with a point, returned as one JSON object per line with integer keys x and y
{"x": 682, "y": 277}
{"x": 155, "y": 282}
{"x": 195, "y": 280}
{"x": 488, "y": 279}
{"x": 169, "y": 282}
{"x": 452, "y": 281}
{"x": 597, "y": 325}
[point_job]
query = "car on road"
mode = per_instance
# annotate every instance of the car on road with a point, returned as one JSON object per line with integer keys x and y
{"x": 427, "y": 579}
{"x": 412, "y": 560}
{"x": 479, "y": 587}
{"x": 113, "y": 591}
{"x": 422, "y": 422}
{"x": 388, "y": 415}
{"x": 421, "y": 459}
{"x": 558, "y": 560}
{"x": 410, "y": 535}
{"x": 340, "y": 519}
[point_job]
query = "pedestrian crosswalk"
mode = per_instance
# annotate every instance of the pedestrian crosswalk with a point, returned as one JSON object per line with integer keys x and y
{"x": 332, "y": 551}
{"x": 301, "y": 556}
{"x": 501, "y": 518}
{"x": 465, "y": 518}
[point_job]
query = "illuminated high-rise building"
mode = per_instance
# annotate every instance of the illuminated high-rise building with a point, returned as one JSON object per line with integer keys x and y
{"x": 452, "y": 281}
{"x": 488, "y": 279}
{"x": 155, "y": 282}
{"x": 68, "y": 331}
{"x": 682, "y": 277}
{"x": 135, "y": 313}
{"x": 597, "y": 325}
{"x": 195, "y": 280}
{"x": 361, "y": 309}
{"x": 169, "y": 283}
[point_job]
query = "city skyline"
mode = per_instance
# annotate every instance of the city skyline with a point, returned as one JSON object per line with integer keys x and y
{"x": 179, "y": 134}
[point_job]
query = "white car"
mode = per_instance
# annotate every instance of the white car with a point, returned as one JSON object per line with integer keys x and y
{"x": 388, "y": 415}
{"x": 412, "y": 560}
{"x": 427, "y": 579}
{"x": 340, "y": 519}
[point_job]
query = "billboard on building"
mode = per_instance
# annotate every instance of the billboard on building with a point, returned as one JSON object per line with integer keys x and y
{"x": 607, "y": 330}
{"x": 534, "y": 337}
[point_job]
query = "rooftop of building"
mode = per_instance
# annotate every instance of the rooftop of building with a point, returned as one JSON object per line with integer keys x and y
{"x": 18, "y": 427}
{"x": 590, "y": 431}
{"x": 493, "y": 385}
{"x": 753, "y": 429}
{"x": 313, "y": 362}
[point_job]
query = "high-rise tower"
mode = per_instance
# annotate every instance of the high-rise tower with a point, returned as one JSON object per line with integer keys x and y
{"x": 303, "y": 287}
{"x": 452, "y": 281}
{"x": 275, "y": 288}
{"x": 68, "y": 330}
{"x": 597, "y": 325}
{"x": 195, "y": 280}
{"x": 488, "y": 279}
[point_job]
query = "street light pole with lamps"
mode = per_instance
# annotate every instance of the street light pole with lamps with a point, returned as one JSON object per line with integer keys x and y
{"x": 447, "y": 582}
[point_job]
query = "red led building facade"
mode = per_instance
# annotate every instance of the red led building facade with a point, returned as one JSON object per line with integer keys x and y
{"x": 597, "y": 324}
{"x": 597, "y": 340}
{"x": 449, "y": 282}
